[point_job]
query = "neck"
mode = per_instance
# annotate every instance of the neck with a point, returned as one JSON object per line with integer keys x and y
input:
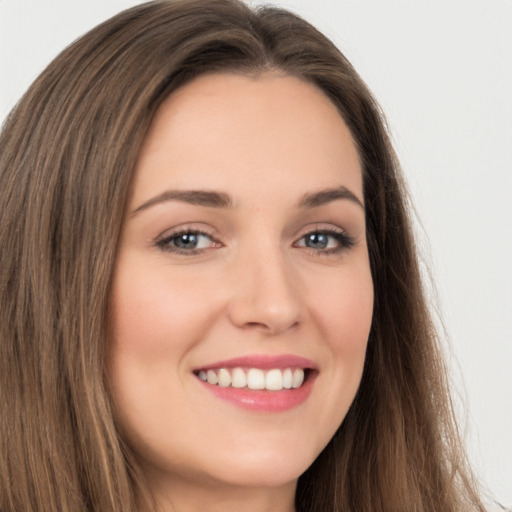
{"x": 186, "y": 496}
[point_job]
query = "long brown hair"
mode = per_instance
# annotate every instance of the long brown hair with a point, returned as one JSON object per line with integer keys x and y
{"x": 67, "y": 152}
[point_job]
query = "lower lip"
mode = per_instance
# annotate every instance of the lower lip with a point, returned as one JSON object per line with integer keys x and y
{"x": 263, "y": 400}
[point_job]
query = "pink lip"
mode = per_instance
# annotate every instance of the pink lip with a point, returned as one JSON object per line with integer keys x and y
{"x": 263, "y": 400}
{"x": 264, "y": 362}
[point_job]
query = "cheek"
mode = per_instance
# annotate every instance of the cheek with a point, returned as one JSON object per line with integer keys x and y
{"x": 153, "y": 326}
{"x": 345, "y": 310}
{"x": 154, "y": 314}
{"x": 156, "y": 321}
{"x": 344, "y": 313}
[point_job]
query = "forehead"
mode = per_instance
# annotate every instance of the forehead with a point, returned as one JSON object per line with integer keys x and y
{"x": 237, "y": 133}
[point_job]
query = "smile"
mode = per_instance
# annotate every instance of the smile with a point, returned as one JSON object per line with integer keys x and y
{"x": 260, "y": 383}
{"x": 275, "y": 379}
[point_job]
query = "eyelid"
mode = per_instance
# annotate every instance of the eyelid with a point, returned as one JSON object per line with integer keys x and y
{"x": 163, "y": 240}
{"x": 345, "y": 240}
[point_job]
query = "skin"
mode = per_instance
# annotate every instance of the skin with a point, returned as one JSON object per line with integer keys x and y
{"x": 255, "y": 284}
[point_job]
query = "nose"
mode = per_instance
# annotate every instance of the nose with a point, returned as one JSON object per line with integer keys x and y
{"x": 266, "y": 294}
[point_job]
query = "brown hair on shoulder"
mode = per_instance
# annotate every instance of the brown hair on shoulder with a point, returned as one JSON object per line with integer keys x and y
{"x": 67, "y": 153}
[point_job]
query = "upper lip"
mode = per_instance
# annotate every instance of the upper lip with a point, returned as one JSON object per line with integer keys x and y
{"x": 262, "y": 361}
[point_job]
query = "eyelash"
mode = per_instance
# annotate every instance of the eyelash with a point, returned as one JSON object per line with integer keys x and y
{"x": 165, "y": 243}
{"x": 344, "y": 242}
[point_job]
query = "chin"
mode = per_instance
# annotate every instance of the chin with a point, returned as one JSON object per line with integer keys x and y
{"x": 262, "y": 469}
{"x": 233, "y": 468}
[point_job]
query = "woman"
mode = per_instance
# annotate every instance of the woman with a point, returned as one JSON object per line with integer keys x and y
{"x": 210, "y": 293}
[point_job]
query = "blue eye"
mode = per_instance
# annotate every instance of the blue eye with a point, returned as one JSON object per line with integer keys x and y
{"x": 191, "y": 242}
{"x": 186, "y": 242}
{"x": 326, "y": 241}
{"x": 317, "y": 240}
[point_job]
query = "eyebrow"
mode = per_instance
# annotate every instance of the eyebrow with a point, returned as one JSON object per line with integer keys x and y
{"x": 197, "y": 197}
{"x": 315, "y": 199}
{"x": 214, "y": 199}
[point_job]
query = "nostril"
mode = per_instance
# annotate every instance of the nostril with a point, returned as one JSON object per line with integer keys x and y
{"x": 271, "y": 327}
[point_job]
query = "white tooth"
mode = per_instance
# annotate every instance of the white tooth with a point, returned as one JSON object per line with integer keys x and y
{"x": 202, "y": 375}
{"x": 224, "y": 378}
{"x": 211, "y": 377}
{"x": 255, "y": 379}
{"x": 238, "y": 379}
{"x": 298, "y": 378}
{"x": 274, "y": 380}
{"x": 287, "y": 378}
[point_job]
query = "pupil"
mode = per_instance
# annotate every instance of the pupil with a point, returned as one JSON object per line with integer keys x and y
{"x": 186, "y": 240}
{"x": 317, "y": 240}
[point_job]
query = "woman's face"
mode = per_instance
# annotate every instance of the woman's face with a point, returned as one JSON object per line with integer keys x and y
{"x": 243, "y": 260}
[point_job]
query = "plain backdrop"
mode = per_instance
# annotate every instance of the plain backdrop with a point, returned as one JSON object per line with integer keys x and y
{"x": 442, "y": 71}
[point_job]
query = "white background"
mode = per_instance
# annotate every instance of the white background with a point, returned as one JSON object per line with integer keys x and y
{"x": 442, "y": 71}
